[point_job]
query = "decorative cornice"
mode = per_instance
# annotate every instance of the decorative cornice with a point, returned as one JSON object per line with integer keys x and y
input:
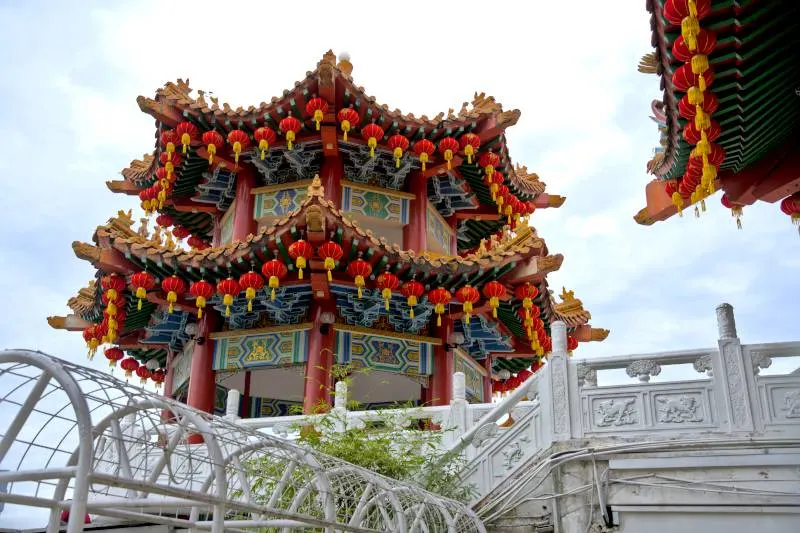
{"x": 554, "y": 200}
{"x": 57, "y": 322}
{"x": 598, "y": 334}
{"x": 86, "y": 251}
{"x": 260, "y": 331}
{"x": 389, "y": 334}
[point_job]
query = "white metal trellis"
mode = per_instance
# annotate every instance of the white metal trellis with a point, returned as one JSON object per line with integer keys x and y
{"x": 78, "y": 439}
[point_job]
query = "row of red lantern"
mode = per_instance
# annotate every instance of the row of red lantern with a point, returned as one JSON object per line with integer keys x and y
{"x": 131, "y": 366}
{"x": 180, "y": 232}
{"x": 693, "y": 47}
{"x": 507, "y": 203}
{"x": 154, "y": 197}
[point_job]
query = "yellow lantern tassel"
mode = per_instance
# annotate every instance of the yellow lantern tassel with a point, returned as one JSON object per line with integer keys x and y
{"x": 494, "y": 187}
{"x": 494, "y": 302}
{"x": 677, "y": 201}
{"x": 423, "y": 157}
{"x": 469, "y": 151}
{"x": 439, "y": 309}
{"x": 359, "y": 284}
{"x": 398, "y": 153}
{"x": 228, "y": 301}
{"x": 699, "y": 64}
{"x": 696, "y": 96}
{"x": 330, "y": 264}
{"x": 372, "y": 143}
{"x": 170, "y": 149}
{"x": 690, "y": 28}
{"x": 263, "y": 145}
{"x": 250, "y": 293}
{"x": 468, "y": 311}
{"x": 185, "y": 141}
{"x": 289, "y": 139}
{"x": 200, "y": 302}
{"x": 172, "y": 297}
{"x": 703, "y": 204}
{"x": 318, "y": 116}
{"x": 448, "y": 156}
{"x": 387, "y": 296}
{"x": 499, "y": 205}
{"x": 274, "y": 282}
{"x": 412, "y": 301}
{"x": 212, "y": 150}
{"x": 301, "y": 264}
{"x": 237, "y": 149}
{"x": 345, "y": 128}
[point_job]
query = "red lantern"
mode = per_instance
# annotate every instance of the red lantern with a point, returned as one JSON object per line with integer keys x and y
{"x": 170, "y": 164}
{"x": 250, "y": 282}
{"x": 387, "y": 282}
{"x": 141, "y": 282}
{"x": 197, "y": 243}
{"x": 372, "y": 133}
{"x": 187, "y": 132}
{"x": 213, "y": 141}
{"x": 470, "y": 143}
{"x": 677, "y": 10}
{"x": 348, "y": 119}
{"x": 489, "y": 162}
{"x": 158, "y": 376}
{"x": 704, "y": 43}
{"x": 202, "y": 291}
{"x": 174, "y": 287}
{"x": 790, "y": 206}
{"x": 468, "y": 296}
{"x": 229, "y": 288}
{"x": 494, "y": 290}
{"x": 572, "y": 343}
{"x": 447, "y": 147}
{"x": 670, "y": 188}
{"x": 289, "y": 127}
{"x": 239, "y": 140}
{"x": 169, "y": 139}
{"x": 164, "y": 220}
{"x": 330, "y": 252}
{"x": 129, "y": 365}
{"x": 265, "y": 137}
{"x": 715, "y": 156}
{"x": 439, "y": 297}
{"x": 688, "y": 110}
{"x": 113, "y": 285}
{"x": 413, "y": 291}
{"x": 90, "y": 335}
{"x": 180, "y": 232}
{"x": 113, "y": 355}
{"x": 500, "y": 197}
{"x": 526, "y": 292}
{"x": 359, "y": 270}
{"x": 144, "y": 374}
{"x": 424, "y": 149}
{"x": 684, "y": 78}
{"x": 736, "y": 209}
{"x": 398, "y": 145}
{"x": 693, "y": 135}
{"x": 274, "y": 270}
{"x": 301, "y": 251}
{"x": 494, "y": 181}
{"x": 317, "y": 107}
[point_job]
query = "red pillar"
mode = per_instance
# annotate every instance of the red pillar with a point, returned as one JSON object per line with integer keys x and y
{"x": 202, "y": 386}
{"x": 321, "y": 344}
{"x": 487, "y": 379}
{"x": 331, "y": 176}
{"x": 443, "y": 367}
{"x": 243, "y": 222}
{"x": 216, "y": 234}
{"x": 452, "y": 221}
{"x": 415, "y": 233}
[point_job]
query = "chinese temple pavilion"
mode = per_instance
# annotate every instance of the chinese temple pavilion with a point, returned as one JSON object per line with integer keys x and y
{"x": 729, "y": 117}
{"x": 323, "y": 228}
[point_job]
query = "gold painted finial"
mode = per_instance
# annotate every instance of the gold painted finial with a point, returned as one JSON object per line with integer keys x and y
{"x": 344, "y": 63}
{"x": 316, "y": 188}
{"x": 569, "y": 304}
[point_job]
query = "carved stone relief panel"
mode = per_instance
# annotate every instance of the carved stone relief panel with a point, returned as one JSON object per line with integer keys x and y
{"x": 679, "y": 408}
{"x": 615, "y": 412}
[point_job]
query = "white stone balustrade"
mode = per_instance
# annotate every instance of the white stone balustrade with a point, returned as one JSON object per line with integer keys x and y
{"x": 723, "y": 396}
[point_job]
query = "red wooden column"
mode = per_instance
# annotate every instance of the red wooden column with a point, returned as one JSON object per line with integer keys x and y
{"x": 331, "y": 174}
{"x": 318, "y": 380}
{"x": 443, "y": 367}
{"x": 216, "y": 234}
{"x": 243, "y": 222}
{"x": 202, "y": 386}
{"x": 487, "y": 379}
{"x": 244, "y": 404}
{"x": 452, "y": 221}
{"x": 415, "y": 233}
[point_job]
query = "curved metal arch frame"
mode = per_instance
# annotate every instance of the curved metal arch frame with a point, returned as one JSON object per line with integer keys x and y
{"x": 117, "y": 467}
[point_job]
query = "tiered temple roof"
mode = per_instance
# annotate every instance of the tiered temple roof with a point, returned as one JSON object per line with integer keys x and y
{"x": 755, "y": 79}
{"x": 203, "y": 194}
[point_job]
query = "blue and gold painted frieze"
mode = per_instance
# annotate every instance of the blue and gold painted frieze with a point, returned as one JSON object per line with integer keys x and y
{"x": 279, "y": 200}
{"x": 472, "y": 373}
{"x": 439, "y": 231}
{"x": 269, "y": 347}
{"x": 383, "y": 352}
{"x": 375, "y": 203}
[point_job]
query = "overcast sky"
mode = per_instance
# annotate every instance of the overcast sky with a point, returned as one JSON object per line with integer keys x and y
{"x": 71, "y": 77}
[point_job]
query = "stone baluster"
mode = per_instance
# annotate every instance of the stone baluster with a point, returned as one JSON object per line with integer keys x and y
{"x": 340, "y": 406}
{"x": 555, "y": 394}
{"x": 232, "y": 405}
{"x": 457, "y": 420}
{"x": 731, "y": 384}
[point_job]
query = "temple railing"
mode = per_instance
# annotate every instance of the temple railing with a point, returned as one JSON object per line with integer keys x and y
{"x": 715, "y": 393}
